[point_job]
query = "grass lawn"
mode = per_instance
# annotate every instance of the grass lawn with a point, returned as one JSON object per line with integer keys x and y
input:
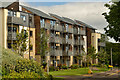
{"x": 73, "y": 72}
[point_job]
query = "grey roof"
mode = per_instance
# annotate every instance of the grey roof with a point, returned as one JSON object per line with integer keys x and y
{"x": 64, "y": 19}
{"x": 71, "y": 21}
{"x": 38, "y": 12}
{"x": 86, "y": 25}
{"x": 68, "y": 20}
{"x": 6, "y": 4}
{"x": 58, "y": 17}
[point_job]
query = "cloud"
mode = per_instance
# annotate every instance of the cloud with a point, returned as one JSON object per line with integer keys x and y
{"x": 89, "y": 12}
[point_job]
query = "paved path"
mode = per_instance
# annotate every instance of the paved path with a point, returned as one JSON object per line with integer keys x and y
{"x": 108, "y": 75}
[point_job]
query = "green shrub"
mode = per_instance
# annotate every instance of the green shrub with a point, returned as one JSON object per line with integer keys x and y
{"x": 59, "y": 66}
{"x": 22, "y": 75}
{"x": 44, "y": 65}
{"x": 95, "y": 65}
{"x": 52, "y": 68}
{"x": 14, "y": 66}
{"x": 64, "y": 67}
{"x": 74, "y": 66}
{"x": 28, "y": 66}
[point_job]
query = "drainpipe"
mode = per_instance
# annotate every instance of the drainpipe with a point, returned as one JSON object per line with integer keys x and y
{"x": 29, "y": 35}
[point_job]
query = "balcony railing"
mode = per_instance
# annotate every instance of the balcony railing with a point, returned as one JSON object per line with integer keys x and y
{"x": 75, "y": 31}
{"x": 76, "y": 42}
{"x": 70, "y": 30}
{"x": 12, "y": 36}
{"x": 58, "y": 27}
{"x": 47, "y": 26}
{"x": 70, "y": 53}
{"x": 15, "y": 20}
{"x": 76, "y": 52}
{"x": 82, "y": 32}
{"x": 56, "y": 39}
{"x": 64, "y": 41}
{"x": 69, "y": 41}
{"x": 102, "y": 44}
{"x": 55, "y": 52}
{"x": 82, "y": 42}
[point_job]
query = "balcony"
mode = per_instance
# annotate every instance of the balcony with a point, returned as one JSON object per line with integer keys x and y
{"x": 70, "y": 53}
{"x": 82, "y": 32}
{"x": 102, "y": 44}
{"x": 82, "y": 42}
{"x": 76, "y": 42}
{"x": 65, "y": 30}
{"x": 15, "y": 20}
{"x": 47, "y": 26}
{"x": 69, "y": 41}
{"x": 64, "y": 41}
{"x": 56, "y": 39}
{"x": 82, "y": 52}
{"x": 70, "y": 30}
{"x": 75, "y": 31}
{"x": 76, "y": 52}
{"x": 12, "y": 36}
{"x": 58, "y": 27}
{"x": 55, "y": 52}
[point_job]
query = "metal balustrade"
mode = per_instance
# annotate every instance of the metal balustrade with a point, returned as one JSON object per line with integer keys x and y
{"x": 55, "y": 52}
{"x": 15, "y": 20}
{"x": 70, "y": 30}
{"x": 56, "y": 39}
{"x": 47, "y": 26}
{"x": 12, "y": 36}
{"x": 58, "y": 27}
{"x": 102, "y": 44}
{"x": 82, "y": 42}
{"x": 82, "y": 32}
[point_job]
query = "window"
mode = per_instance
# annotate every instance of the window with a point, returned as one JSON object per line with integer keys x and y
{"x": 25, "y": 33}
{"x": 31, "y": 33}
{"x": 42, "y": 22}
{"x": 9, "y": 45}
{"x": 31, "y": 48}
{"x": 66, "y": 37}
{"x": 30, "y": 19}
{"x": 52, "y": 23}
{"x": 10, "y": 29}
{"x": 11, "y": 13}
{"x": 23, "y": 17}
{"x": 66, "y": 27}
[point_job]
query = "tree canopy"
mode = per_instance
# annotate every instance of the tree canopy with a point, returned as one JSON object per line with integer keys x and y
{"x": 113, "y": 18}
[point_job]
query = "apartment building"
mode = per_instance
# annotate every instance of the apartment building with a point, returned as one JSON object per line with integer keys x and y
{"x": 13, "y": 21}
{"x": 67, "y": 38}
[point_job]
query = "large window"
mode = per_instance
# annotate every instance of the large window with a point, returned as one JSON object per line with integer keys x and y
{"x": 11, "y": 13}
{"x": 42, "y": 22}
{"x": 52, "y": 23}
{"x": 23, "y": 17}
{"x": 67, "y": 27}
{"x": 31, "y": 33}
{"x": 12, "y": 29}
{"x": 66, "y": 37}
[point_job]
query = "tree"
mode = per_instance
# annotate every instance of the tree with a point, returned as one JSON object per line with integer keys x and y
{"x": 91, "y": 53}
{"x": 113, "y": 18}
{"x": 80, "y": 57}
{"x": 115, "y": 51}
{"x": 103, "y": 57}
{"x": 21, "y": 43}
{"x": 43, "y": 46}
